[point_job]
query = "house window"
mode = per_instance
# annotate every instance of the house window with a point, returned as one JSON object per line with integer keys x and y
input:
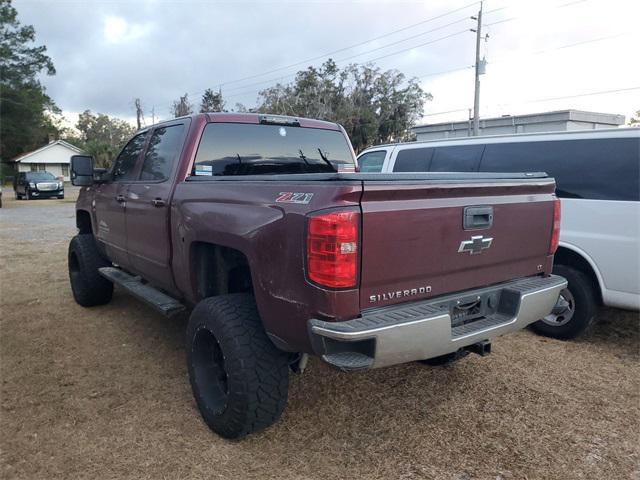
{"x": 41, "y": 166}
{"x": 65, "y": 170}
{"x": 34, "y": 167}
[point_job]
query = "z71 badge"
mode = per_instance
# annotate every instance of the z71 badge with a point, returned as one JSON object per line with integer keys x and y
{"x": 294, "y": 197}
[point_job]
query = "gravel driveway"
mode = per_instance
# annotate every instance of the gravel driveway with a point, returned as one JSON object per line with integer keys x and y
{"x": 103, "y": 393}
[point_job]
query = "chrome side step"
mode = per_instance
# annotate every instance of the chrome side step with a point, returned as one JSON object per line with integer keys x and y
{"x": 162, "y": 302}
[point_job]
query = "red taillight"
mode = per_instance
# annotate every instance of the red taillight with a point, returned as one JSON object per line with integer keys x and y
{"x": 555, "y": 232}
{"x": 332, "y": 249}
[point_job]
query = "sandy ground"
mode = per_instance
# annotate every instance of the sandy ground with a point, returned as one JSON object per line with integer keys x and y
{"x": 103, "y": 393}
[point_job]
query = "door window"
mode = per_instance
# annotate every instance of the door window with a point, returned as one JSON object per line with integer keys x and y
{"x": 124, "y": 166}
{"x": 162, "y": 152}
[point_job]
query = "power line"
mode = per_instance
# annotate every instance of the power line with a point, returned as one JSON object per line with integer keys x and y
{"x": 537, "y": 52}
{"x": 370, "y": 60}
{"x": 548, "y": 99}
{"x": 371, "y": 51}
{"x": 350, "y": 46}
{"x": 244, "y": 92}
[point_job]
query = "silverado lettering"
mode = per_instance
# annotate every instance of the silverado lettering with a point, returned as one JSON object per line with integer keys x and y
{"x": 400, "y": 293}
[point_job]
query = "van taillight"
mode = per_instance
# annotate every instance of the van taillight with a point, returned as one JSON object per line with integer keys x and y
{"x": 555, "y": 232}
{"x": 332, "y": 249}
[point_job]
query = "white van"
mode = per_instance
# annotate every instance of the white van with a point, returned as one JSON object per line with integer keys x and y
{"x": 597, "y": 174}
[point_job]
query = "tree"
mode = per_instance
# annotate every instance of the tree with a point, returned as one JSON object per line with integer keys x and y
{"x": 373, "y": 106}
{"x": 212, "y": 102}
{"x": 139, "y": 113}
{"x": 102, "y": 136}
{"x": 635, "y": 120}
{"x": 182, "y": 106}
{"x": 24, "y": 103}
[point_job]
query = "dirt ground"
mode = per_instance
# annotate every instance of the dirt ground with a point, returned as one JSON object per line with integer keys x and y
{"x": 103, "y": 393}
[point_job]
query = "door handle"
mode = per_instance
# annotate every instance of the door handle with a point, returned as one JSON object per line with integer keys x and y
{"x": 157, "y": 202}
{"x": 120, "y": 198}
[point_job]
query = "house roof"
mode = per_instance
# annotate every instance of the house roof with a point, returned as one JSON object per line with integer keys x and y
{"x": 57, "y": 142}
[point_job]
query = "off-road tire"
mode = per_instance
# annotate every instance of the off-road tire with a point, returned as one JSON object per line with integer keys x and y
{"x": 240, "y": 380}
{"x": 88, "y": 286}
{"x": 586, "y": 306}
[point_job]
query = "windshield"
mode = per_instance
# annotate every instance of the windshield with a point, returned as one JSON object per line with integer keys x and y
{"x": 40, "y": 176}
{"x": 248, "y": 149}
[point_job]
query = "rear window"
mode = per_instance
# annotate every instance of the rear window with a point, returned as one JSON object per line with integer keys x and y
{"x": 247, "y": 149}
{"x": 599, "y": 169}
{"x": 371, "y": 162}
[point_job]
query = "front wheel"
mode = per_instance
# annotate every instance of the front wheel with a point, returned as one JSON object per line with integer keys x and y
{"x": 240, "y": 380}
{"x": 575, "y": 309}
{"x": 88, "y": 286}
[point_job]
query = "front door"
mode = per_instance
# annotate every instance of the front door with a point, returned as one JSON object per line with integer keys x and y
{"x": 110, "y": 202}
{"x": 148, "y": 199}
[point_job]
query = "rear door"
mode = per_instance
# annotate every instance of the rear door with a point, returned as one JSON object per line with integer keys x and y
{"x": 110, "y": 201}
{"x": 148, "y": 203}
{"x": 415, "y": 243}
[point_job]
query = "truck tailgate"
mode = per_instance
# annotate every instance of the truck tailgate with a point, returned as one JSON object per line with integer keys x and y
{"x": 415, "y": 244}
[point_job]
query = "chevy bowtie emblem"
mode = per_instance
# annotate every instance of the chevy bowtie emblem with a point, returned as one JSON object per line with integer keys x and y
{"x": 475, "y": 245}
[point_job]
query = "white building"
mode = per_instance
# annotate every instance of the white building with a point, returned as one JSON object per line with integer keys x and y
{"x": 558, "y": 121}
{"x": 54, "y": 158}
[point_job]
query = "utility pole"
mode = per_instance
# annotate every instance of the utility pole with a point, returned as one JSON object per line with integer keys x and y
{"x": 476, "y": 96}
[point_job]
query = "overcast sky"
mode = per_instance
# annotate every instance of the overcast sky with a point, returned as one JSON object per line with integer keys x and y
{"x": 108, "y": 52}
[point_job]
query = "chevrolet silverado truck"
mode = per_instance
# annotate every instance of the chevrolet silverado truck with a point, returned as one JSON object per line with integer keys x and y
{"x": 261, "y": 227}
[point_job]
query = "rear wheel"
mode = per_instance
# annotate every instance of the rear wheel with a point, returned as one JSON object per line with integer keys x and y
{"x": 576, "y": 307}
{"x": 240, "y": 380}
{"x": 88, "y": 286}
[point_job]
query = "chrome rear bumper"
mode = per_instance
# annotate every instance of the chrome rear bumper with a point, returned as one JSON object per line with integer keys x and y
{"x": 430, "y": 328}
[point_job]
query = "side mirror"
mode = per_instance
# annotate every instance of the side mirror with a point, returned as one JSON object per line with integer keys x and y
{"x": 82, "y": 170}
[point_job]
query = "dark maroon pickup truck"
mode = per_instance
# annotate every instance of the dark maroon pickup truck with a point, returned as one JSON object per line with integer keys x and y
{"x": 261, "y": 225}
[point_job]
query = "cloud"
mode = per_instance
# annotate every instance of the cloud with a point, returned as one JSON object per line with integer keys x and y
{"x": 118, "y": 30}
{"x": 108, "y": 53}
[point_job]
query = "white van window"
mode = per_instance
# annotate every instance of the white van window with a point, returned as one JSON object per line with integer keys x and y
{"x": 598, "y": 169}
{"x": 459, "y": 158}
{"x": 413, "y": 160}
{"x": 371, "y": 162}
